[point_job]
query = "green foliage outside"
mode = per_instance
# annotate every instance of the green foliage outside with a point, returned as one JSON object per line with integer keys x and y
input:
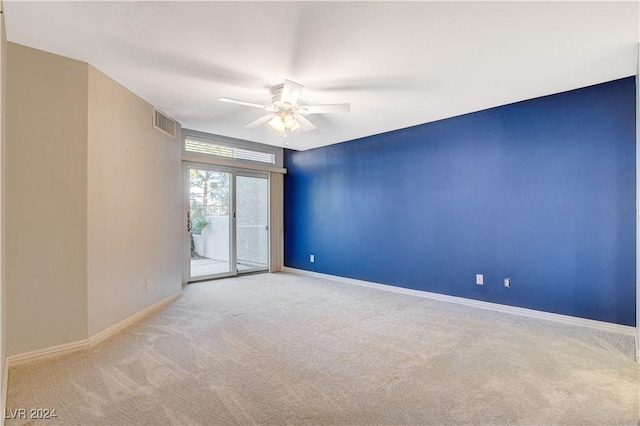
{"x": 209, "y": 197}
{"x": 198, "y": 219}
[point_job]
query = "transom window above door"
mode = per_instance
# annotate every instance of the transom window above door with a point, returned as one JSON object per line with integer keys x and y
{"x": 215, "y": 148}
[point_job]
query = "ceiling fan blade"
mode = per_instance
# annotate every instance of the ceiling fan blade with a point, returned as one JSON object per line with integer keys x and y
{"x": 259, "y": 121}
{"x": 304, "y": 123}
{"x": 324, "y": 109}
{"x": 291, "y": 92}
{"x": 245, "y": 103}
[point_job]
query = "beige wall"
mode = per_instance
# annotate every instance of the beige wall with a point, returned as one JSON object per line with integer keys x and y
{"x": 93, "y": 203}
{"x": 3, "y": 334}
{"x": 46, "y": 195}
{"x": 134, "y": 214}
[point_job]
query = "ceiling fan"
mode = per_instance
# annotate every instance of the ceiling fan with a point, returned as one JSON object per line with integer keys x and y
{"x": 285, "y": 113}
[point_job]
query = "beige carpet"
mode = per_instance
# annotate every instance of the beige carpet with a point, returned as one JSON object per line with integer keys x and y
{"x": 283, "y": 349}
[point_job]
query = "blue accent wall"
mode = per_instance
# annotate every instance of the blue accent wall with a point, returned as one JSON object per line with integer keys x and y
{"x": 540, "y": 191}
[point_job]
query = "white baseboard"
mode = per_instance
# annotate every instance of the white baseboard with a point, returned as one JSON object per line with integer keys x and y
{"x": 105, "y": 334}
{"x": 59, "y": 350}
{"x": 50, "y": 352}
{"x": 565, "y": 319}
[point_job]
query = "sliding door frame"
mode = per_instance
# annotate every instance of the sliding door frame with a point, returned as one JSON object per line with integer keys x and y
{"x": 233, "y": 269}
{"x": 274, "y": 230}
{"x": 275, "y": 171}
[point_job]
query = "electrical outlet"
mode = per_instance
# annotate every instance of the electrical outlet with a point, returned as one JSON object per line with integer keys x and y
{"x": 507, "y": 282}
{"x": 312, "y": 258}
{"x": 479, "y": 279}
{"x": 147, "y": 284}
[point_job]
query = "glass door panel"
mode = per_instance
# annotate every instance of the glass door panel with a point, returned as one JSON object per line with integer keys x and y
{"x": 210, "y": 222}
{"x": 252, "y": 223}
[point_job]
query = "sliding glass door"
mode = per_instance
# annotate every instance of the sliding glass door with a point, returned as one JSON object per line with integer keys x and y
{"x": 210, "y": 223}
{"x": 252, "y": 222}
{"x": 227, "y": 221}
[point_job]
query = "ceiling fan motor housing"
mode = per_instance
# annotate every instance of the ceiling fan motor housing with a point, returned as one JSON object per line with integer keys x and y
{"x": 287, "y": 115}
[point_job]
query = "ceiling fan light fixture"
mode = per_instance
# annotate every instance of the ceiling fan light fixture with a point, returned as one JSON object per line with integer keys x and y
{"x": 284, "y": 123}
{"x": 285, "y": 113}
{"x": 290, "y": 122}
{"x": 277, "y": 124}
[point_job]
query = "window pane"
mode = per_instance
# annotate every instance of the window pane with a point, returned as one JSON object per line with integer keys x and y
{"x": 213, "y": 148}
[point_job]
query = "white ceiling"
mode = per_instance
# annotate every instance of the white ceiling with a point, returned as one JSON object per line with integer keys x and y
{"x": 397, "y": 63}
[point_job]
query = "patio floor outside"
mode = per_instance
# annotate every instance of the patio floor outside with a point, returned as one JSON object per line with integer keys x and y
{"x": 202, "y": 267}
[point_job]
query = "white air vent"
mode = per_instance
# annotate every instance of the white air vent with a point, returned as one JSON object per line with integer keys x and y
{"x": 164, "y": 123}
